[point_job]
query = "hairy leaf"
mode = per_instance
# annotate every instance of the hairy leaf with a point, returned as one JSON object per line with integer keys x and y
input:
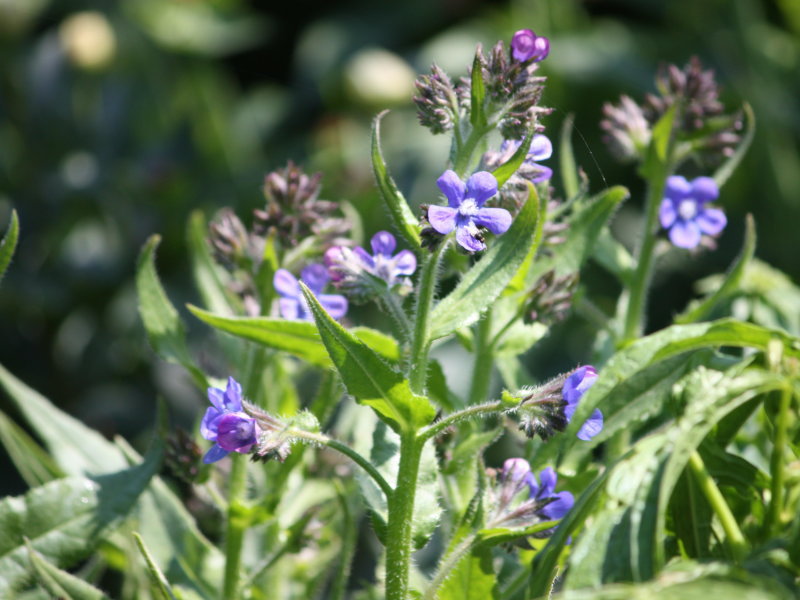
{"x": 61, "y": 584}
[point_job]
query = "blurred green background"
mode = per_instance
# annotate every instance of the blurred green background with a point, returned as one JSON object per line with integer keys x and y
{"x": 119, "y": 118}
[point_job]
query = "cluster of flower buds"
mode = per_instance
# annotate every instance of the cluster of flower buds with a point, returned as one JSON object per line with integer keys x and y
{"x": 363, "y": 276}
{"x": 522, "y": 500}
{"x": 512, "y": 88}
{"x": 709, "y": 132}
{"x": 295, "y": 212}
{"x": 549, "y": 408}
{"x": 550, "y": 298}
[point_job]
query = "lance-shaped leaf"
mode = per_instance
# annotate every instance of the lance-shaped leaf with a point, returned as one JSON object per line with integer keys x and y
{"x": 369, "y": 379}
{"x": 9, "y": 243}
{"x": 65, "y": 519}
{"x": 477, "y": 92}
{"x": 158, "y": 579}
{"x": 504, "y": 172}
{"x": 404, "y": 220}
{"x": 34, "y": 464}
{"x": 61, "y": 584}
{"x": 204, "y": 270}
{"x": 76, "y": 448}
{"x": 299, "y": 338}
{"x": 566, "y": 158}
{"x": 699, "y": 310}
{"x": 484, "y": 282}
{"x": 164, "y": 327}
{"x": 661, "y": 143}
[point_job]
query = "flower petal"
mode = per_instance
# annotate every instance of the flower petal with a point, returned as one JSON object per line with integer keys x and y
{"x": 405, "y": 263}
{"x": 592, "y": 426}
{"x": 286, "y": 284}
{"x": 481, "y": 186}
{"x": 233, "y": 395}
{"x": 541, "y": 148}
{"x": 291, "y": 309}
{"x": 210, "y": 422}
{"x": 315, "y": 276}
{"x": 685, "y": 234}
{"x": 496, "y": 220}
{"x": 215, "y": 453}
{"x": 384, "y": 243}
{"x": 677, "y": 188}
{"x": 468, "y": 241}
{"x": 365, "y": 257}
{"x": 217, "y": 397}
{"x": 559, "y": 507}
{"x": 335, "y": 304}
{"x": 711, "y": 221}
{"x": 515, "y": 469}
{"x": 667, "y": 213}
{"x": 542, "y": 173}
{"x": 442, "y": 218}
{"x": 548, "y": 478}
{"x": 452, "y": 187}
{"x": 236, "y": 432}
{"x": 705, "y": 189}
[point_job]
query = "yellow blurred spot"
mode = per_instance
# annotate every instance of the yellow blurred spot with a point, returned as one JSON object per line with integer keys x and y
{"x": 88, "y": 40}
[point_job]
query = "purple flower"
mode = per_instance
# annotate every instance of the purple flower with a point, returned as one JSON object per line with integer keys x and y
{"x": 561, "y": 501}
{"x": 293, "y": 304}
{"x": 526, "y": 45}
{"x": 541, "y": 149}
{"x": 466, "y": 212}
{"x": 355, "y": 269}
{"x": 685, "y": 214}
{"x": 575, "y": 386}
{"x": 227, "y": 424}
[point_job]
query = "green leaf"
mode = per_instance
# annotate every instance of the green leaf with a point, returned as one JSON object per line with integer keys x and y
{"x": 484, "y": 282}
{"x": 299, "y": 338}
{"x": 160, "y": 583}
{"x": 566, "y": 157}
{"x": 404, "y": 220}
{"x": 613, "y": 257}
{"x": 34, "y": 464}
{"x": 369, "y": 379}
{"x": 66, "y": 518}
{"x": 76, "y": 448}
{"x": 9, "y": 243}
{"x": 473, "y": 578}
{"x": 477, "y": 93}
{"x": 699, "y": 310}
{"x": 504, "y": 172}
{"x": 61, "y": 584}
{"x": 660, "y": 148}
{"x": 727, "y": 168}
{"x": 585, "y": 226}
{"x": 164, "y": 327}
{"x": 173, "y": 538}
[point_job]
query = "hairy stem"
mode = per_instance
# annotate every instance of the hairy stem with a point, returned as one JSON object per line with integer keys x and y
{"x": 448, "y": 564}
{"x": 473, "y": 411}
{"x": 420, "y": 344}
{"x": 401, "y": 512}
{"x": 777, "y": 461}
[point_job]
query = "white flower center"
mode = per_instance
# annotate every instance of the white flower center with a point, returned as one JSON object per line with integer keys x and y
{"x": 468, "y": 208}
{"x": 687, "y": 209}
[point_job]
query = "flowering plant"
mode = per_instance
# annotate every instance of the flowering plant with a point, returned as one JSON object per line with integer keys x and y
{"x": 514, "y": 488}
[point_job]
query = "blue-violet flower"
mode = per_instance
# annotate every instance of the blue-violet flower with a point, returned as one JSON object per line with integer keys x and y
{"x": 466, "y": 212}
{"x": 526, "y": 45}
{"x": 293, "y": 304}
{"x": 356, "y": 270}
{"x": 561, "y": 501}
{"x": 226, "y": 423}
{"x": 685, "y": 214}
{"x": 575, "y": 386}
{"x": 523, "y": 500}
{"x": 541, "y": 149}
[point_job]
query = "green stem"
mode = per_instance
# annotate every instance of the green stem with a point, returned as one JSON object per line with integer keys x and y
{"x": 733, "y": 535}
{"x": 637, "y": 294}
{"x": 420, "y": 345}
{"x": 465, "y": 150}
{"x": 450, "y": 561}
{"x": 777, "y": 470}
{"x": 482, "y": 367}
{"x": 473, "y": 411}
{"x": 401, "y": 512}
{"x": 237, "y": 521}
{"x": 324, "y": 440}
{"x": 392, "y": 304}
